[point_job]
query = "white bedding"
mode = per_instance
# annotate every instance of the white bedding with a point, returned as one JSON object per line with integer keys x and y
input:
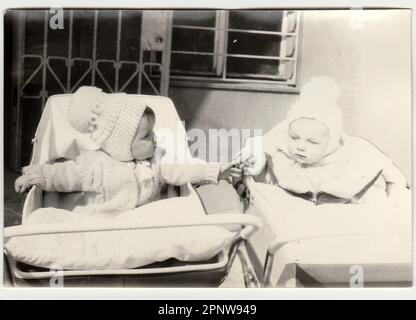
{"x": 120, "y": 249}
{"x": 330, "y": 237}
{"x": 293, "y": 218}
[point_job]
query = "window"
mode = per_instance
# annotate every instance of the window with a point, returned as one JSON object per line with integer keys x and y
{"x": 255, "y": 48}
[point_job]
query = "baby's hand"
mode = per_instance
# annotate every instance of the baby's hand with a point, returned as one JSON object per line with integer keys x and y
{"x": 248, "y": 162}
{"x": 230, "y": 170}
{"x": 253, "y": 165}
{"x": 252, "y": 157}
{"x": 22, "y": 184}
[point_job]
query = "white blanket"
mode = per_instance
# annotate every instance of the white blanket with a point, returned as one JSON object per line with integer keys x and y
{"x": 328, "y": 235}
{"x": 294, "y": 218}
{"x": 120, "y": 249}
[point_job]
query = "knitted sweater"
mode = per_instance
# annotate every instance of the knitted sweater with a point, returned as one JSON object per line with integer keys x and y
{"x": 111, "y": 186}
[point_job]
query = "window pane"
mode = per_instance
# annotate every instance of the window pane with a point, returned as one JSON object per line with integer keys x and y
{"x": 261, "y": 20}
{"x": 190, "y": 62}
{"x": 199, "y": 18}
{"x": 58, "y": 39}
{"x": 193, "y": 40}
{"x": 252, "y": 68}
{"x": 35, "y": 85}
{"x": 107, "y": 34}
{"x": 34, "y": 30}
{"x": 131, "y": 29}
{"x": 253, "y": 44}
{"x": 83, "y": 32}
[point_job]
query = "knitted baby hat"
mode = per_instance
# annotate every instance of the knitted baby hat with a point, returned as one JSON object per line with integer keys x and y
{"x": 319, "y": 101}
{"x": 111, "y": 119}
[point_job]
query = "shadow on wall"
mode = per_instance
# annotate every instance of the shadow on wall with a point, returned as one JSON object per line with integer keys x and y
{"x": 222, "y": 109}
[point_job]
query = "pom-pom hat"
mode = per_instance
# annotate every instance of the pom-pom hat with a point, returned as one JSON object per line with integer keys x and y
{"x": 318, "y": 101}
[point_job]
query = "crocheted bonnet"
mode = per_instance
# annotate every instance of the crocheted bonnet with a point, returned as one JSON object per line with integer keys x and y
{"x": 111, "y": 119}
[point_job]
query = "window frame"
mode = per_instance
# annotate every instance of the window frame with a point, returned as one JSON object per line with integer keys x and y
{"x": 219, "y": 81}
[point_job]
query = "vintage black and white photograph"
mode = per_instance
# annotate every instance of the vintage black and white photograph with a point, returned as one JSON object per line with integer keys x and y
{"x": 221, "y": 148}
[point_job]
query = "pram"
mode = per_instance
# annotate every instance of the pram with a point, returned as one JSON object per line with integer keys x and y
{"x": 335, "y": 248}
{"x": 56, "y": 139}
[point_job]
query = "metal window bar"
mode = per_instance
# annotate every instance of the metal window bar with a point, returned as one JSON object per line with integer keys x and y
{"x": 225, "y": 18}
{"x": 139, "y": 80}
{"x": 200, "y": 53}
{"x": 94, "y": 64}
{"x": 282, "y": 58}
{"x": 256, "y": 75}
{"x": 45, "y": 66}
{"x": 71, "y": 26}
{"x": 190, "y": 72}
{"x": 273, "y": 33}
{"x": 275, "y": 80}
{"x": 94, "y": 47}
{"x": 16, "y": 155}
{"x": 30, "y": 78}
{"x": 120, "y": 15}
{"x": 193, "y": 27}
{"x": 220, "y": 44}
{"x": 283, "y": 44}
{"x": 288, "y": 63}
{"x": 252, "y": 56}
{"x": 45, "y": 54}
{"x": 296, "y": 51}
{"x": 218, "y": 51}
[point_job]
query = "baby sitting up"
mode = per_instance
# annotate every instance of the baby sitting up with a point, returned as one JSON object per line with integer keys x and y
{"x": 309, "y": 156}
{"x": 124, "y": 173}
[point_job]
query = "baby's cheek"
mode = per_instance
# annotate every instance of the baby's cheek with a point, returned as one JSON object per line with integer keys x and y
{"x": 138, "y": 148}
{"x": 135, "y": 147}
{"x": 319, "y": 153}
{"x": 148, "y": 147}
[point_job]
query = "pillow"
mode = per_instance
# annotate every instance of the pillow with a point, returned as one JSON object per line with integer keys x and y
{"x": 119, "y": 249}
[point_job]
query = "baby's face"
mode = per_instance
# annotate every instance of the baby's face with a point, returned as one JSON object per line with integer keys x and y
{"x": 143, "y": 145}
{"x": 308, "y": 140}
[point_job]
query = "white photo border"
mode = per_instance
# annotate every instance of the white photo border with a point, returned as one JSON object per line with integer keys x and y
{"x": 202, "y": 293}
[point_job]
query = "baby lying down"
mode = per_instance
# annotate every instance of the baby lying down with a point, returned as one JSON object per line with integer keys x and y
{"x": 308, "y": 155}
{"x": 126, "y": 172}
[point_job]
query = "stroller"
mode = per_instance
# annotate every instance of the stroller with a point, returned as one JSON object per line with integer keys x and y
{"x": 55, "y": 139}
{"x": 334, "y": 247}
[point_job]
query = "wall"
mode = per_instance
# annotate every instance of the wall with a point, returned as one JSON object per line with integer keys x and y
{"x": 367, "y": 53}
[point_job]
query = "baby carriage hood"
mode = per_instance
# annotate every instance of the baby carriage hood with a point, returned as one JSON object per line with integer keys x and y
{"x": 111, "y": 119}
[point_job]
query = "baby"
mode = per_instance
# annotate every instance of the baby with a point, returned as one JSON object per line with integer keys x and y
{"x": 124, "y": 173}
{"x": 309, "y": 156}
